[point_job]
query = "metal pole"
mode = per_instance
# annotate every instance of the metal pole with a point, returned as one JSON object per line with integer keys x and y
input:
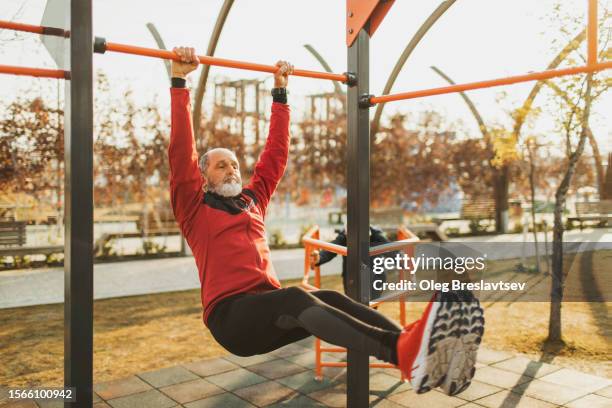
{"x": 358, "y": 209}
{"x": 78, "y": 252}
{"x": 592, "y": 33}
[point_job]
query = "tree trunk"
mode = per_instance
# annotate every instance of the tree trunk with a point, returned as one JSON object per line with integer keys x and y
{"x": 558, "y": 278}
{"x": 532, "y": 170}
{"x": 502, "y": 179}
{"x": 599, "y": 170}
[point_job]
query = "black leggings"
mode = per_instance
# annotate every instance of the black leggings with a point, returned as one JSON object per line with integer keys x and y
{"x": 249, "y": 324}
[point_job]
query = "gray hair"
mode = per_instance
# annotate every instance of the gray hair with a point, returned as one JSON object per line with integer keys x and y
{"x": 204, "y": 158}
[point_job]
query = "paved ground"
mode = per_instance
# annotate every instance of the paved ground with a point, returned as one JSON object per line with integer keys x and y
{"x": 284, "y": 378}
{"x": 45, "y": 286}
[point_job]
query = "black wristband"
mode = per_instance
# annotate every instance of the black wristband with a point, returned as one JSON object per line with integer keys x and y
{"x": 279, "y": 95}
{"x": 178, "y": 82}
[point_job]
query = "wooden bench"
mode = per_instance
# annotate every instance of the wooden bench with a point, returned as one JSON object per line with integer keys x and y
{"x": 12, "y": 233}
{"x": 478, "y": 209}
{"x": 598, "y": 211}
{"x": 382, "y": 217}
{"x": 157, "y": 223}
{"x": 387, "y": 217}
{"x": 27, "y": 250}
{"x": 335, "y": 217}
{"x": 151, "y": 224}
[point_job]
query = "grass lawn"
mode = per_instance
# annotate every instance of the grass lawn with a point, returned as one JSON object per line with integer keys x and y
{"x": 141, "y": 333}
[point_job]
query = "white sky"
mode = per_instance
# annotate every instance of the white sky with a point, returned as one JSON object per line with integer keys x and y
{"x": 474, "y": 40}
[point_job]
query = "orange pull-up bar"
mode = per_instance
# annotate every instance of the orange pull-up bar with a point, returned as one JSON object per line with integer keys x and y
{"x": 101, "y": 46}
{"x": 58, "y": 32}
{"x": 373, "y": 100}
{"x": 592, "y": 66}
{"x": 36, "y": 72}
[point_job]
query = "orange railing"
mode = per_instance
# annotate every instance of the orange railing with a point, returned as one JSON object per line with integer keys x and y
{"x": 406, "y": 241}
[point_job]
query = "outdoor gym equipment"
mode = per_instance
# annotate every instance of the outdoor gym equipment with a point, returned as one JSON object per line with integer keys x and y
{"x": 363, "y": 17}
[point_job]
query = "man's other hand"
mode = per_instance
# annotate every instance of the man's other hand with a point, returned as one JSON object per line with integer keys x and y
{"x": 314, "y": 259}
{"x": 188, "y": 62}
{"x": 281, "y": 77}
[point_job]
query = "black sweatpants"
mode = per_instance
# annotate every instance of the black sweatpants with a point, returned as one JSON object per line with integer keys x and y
{"x": 249, "y": 324}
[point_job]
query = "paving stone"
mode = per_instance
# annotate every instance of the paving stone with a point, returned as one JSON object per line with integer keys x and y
{"x": 101, "y": 405}
{"x": 478, "y": 390}
{"x": 290, "y": 350}
{"x": 226, "y": 400}
{"x": 383, "y": 384}
{"x": 232, "y": 380}
{"x": 297, "y": 401}
{"x": 18, "y": 404}
{"x": 266, "y": 393}
{"x": 509, "y": 399}
{"x": 96, "y": 398}
{"x": 500, "y": 378}
{"x": 334, "y": 373}
{"x": 576, "y": 379}
{"x": 276, "y": 369}
{"x": 542, "y": 390}
{"x": 212, "y": 366}
{"x": 249, "y": 361}
{"x": 431, "y": 399}
{"x": 471, "y": 405}
{"x": 385, "y": 403}
{"x": 306, "y": 383}
{"x": 191, "y": 391}
{"x": 147, "y": 399}
{"x": 393, "y": 372}
{"x": 308, "y": 342}
{"x": 524, "y": 366}
{"x": 590, "y": 401}
{"x": 50, "y": 403}
{"x": 605, "y": 392}
{"x": 486, "y": 356}
{"x": 306, "y": 360}
{"x": 121, "y": 388}
{"x": 331, "y": 397}
{"x": 168, "y": 376}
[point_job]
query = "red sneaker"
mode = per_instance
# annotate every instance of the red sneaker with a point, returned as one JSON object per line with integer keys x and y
{"x": 439, "y": 349}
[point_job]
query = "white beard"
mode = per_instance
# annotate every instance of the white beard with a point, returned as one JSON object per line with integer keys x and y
{"x": 230, "y": 189}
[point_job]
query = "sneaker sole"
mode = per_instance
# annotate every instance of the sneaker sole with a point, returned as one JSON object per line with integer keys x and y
{"x": 453, "y": 332}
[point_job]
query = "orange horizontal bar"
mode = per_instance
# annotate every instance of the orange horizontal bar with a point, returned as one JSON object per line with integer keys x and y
{"x": 150, "y": 52}
{"x": 332, "y": 364}
{"x": 35, "y": 72}
{"x": 337, "y": 249}
{"x": 9, "y": 25}
{"x": 536, "y": 76}
{"x": 333, "y": 349}
{"x": 28, "y": 28}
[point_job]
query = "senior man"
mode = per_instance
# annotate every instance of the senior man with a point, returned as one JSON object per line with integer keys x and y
{"x": 243, "y": 303}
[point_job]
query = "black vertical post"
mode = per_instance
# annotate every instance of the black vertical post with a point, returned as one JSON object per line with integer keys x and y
{"x": 78, "y": 252}
{"x": 358, "y": 208}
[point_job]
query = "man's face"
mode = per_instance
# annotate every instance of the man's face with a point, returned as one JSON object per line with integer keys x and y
{"x": 222, "y": 175}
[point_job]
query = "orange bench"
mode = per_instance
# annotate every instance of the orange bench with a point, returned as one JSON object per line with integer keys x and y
{"x": 406, "y": 242}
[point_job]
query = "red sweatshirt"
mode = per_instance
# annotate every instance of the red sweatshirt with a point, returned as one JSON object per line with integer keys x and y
{"x": 226, "y": 235}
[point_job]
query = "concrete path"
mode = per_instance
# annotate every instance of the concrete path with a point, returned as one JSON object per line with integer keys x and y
{"x": 46, "y": 286}
{"x": 116, "y": 279}
{"x": 285, "y": 378}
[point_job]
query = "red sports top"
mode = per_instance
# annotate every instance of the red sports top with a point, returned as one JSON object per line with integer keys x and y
{"x": 226, "y": 235}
